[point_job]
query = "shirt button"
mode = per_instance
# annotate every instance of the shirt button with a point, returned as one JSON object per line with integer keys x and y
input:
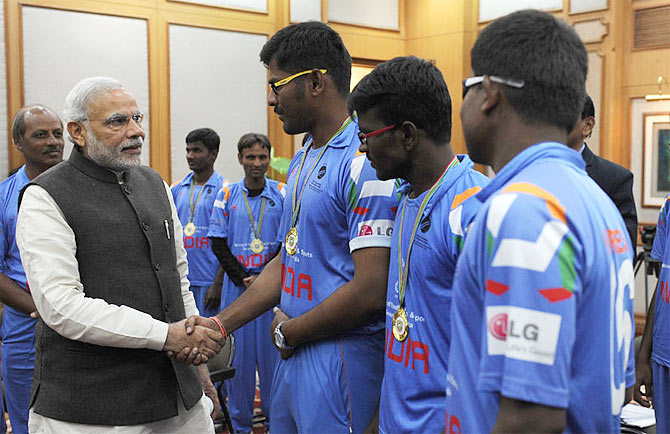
{"x": 166, "y": 306}
{"x": 157, "y": 266}
{"x": 126, "y": 190}
{"x": 145, "y": 226}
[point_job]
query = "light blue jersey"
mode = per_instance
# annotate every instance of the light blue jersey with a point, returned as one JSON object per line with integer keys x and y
{"x": 333, "y": 384}
{"x": 18, "y": 329}
{"x": 230, "y": 220}
{"x": 543, "y": 298}
{"x": 202, "y": 263}
{"x": 415, "y": 370}
{"x": 344, "y": 208}
{"x": 660, "y": 353}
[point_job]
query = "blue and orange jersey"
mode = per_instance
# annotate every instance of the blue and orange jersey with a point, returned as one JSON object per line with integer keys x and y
{"x": 415, "y": 370}
{"x": 202, "y": 264}
{"x": 543, "y": 298}
{"x": 230, "y": 219}
{"x": 660, "y": 251}
{"x": 344, "y": 207}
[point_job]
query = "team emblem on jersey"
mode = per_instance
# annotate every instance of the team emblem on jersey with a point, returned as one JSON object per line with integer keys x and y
{"x": 425, "y": 224}
{"x": 322, "y": 172}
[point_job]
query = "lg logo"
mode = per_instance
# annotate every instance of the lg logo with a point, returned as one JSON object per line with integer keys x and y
{"x": 500, "y": 328}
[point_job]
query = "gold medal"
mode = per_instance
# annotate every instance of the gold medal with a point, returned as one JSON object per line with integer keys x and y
{"x": 292, "y": 241}
{"x": 189, "y": 229}
{"x": 256, "y": 245}
{"x": 400, "y": 325}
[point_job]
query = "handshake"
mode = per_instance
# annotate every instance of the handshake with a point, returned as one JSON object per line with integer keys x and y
{"x": 194, "y": 340}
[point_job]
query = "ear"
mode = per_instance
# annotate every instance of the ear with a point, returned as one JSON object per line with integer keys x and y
{"x": 317, "y": 82}
{"x": 213, "y": 154}
{"x": 19, "y": 146}
{"x": 239, "y": 157}
{"x": 587, "y": 126}
{"x": 492, "y": 94}
{"x": 410, "y": 135}
{"x": 77, "y": 133}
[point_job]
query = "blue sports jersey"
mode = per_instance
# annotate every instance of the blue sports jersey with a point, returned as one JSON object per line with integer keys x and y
{"x": 16, "y": 325}
{"x": 542, "y": 298}
{"x": 202, "y": 263}
{"x": 660, "y": 251}
{"x": 230, "y": 220}
{"x": 344, "y": 208}
{"x": 415, "y": 370}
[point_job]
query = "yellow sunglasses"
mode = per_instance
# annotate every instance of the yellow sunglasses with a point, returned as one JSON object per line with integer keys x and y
{"x": 284, "y": 81}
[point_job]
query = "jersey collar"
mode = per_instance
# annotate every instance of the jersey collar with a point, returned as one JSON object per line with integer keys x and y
{"x": 530, "y": 155}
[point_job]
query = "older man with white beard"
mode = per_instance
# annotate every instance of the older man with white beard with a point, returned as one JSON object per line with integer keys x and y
{"x": 101, "y": 244}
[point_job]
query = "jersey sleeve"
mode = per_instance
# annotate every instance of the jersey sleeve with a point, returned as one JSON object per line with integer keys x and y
{"x": 371, "y": 206}
{"x": 218, "y": 223}
{"x": 658, "y": 248}
{"x": 530, "y": 279}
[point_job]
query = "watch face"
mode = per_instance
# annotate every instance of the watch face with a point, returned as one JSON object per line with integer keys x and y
{"x": 279, "y": 341}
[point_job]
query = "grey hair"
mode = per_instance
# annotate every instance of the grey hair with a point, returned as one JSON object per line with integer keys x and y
{"x": 19, "y": 122}
{"x": 78, "y": 101}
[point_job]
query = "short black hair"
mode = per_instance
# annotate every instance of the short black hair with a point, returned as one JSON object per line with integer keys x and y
{"x": 588, "y": 110}
{"x": 206, "y": 136}
{"x": 310, "y": 45}
{"x": 250, "y": 139}
{"x": 407, "y": 89}
{"x": 546, "y": 54}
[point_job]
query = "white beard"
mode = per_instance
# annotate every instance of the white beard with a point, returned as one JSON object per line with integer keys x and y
{"x": 112, "y": 157}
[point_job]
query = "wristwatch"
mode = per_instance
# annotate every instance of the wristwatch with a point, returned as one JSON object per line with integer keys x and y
{"x": 280, "y": 340}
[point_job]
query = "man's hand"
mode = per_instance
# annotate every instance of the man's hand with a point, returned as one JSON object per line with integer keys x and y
{"x": 213, "y": 297}
{"x": 643, "y": 377}
{"x": 247, "y": 281}
{"x": 209, "y": 389}
{"x": 202, "y": 343}
{"x": 191, "y": 355}
{"x": 280, "y": 316}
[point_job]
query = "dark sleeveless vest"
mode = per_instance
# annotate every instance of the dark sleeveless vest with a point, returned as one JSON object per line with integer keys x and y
{"x": 125, "y": 258}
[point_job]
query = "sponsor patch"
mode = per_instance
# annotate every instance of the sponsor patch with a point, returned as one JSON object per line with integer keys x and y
{"x": 375, "y": 227}
{"x": 522, "y": 334}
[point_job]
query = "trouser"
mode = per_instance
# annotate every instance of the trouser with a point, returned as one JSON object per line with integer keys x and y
{"x": 253, "y": 348}
{"x": 18, "y": 361}
{"x": 332, "y": 385}
{"x": 661, "y": 396}
{"x": 195, "y": 420}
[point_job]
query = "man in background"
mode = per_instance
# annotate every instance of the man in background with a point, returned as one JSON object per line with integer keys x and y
{"x": 615, "y": 180}
{"x": 244, "y": 227}
{"x": 404, "y": 111}
{"x": 542, "y": 312}
{"x": 37, "y": 132}
{"x": 101, "y": 244}
{"x": 194, "y": 198}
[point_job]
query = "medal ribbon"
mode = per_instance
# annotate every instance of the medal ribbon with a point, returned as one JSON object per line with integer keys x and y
{"x": 256, "y": 229}
{"x": 295, "y": 207}
{"x": 193, "y": 205}
{"x": 402, "y": 273}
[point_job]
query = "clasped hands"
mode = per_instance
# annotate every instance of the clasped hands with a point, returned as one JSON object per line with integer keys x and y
{"x": 194, "y": 340}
